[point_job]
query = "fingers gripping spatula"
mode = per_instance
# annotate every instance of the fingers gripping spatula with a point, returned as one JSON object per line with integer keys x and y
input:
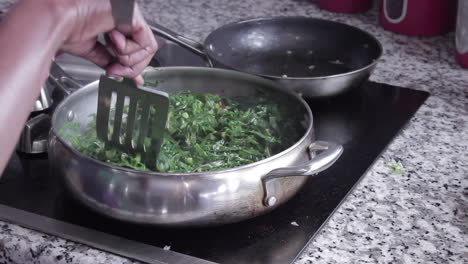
{"x": 141, "y": 128}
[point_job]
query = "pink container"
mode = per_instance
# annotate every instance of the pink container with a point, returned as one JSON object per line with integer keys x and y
{"x": 345, "y": 6}
{"x": 418, "y": 17}
{"x": 461, "y": 36}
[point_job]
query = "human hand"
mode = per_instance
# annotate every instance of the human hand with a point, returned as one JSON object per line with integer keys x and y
{"x": 125, "y": 56}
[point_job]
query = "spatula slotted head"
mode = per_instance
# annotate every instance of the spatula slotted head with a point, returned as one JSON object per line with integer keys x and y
{"x": 144, "y": 121}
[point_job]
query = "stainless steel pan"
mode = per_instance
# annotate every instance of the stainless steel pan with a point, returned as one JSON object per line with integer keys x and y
{"x": 317, "y": 58}
{"x": 187, "y": 199}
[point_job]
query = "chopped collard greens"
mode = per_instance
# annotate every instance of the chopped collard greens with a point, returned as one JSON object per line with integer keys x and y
{"x": 204, "y": 132}
{"x": 397, "y": 167}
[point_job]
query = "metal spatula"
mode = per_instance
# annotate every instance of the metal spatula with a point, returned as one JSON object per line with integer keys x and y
{"x": 147, "y": 108}
{"x": 144, "y": 122}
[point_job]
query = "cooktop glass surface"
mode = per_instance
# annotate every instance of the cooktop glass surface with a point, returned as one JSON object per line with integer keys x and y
{"x": 363, "y": 121}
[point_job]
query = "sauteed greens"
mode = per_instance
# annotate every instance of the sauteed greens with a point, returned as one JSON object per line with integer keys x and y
{"x": 204, "y": 132}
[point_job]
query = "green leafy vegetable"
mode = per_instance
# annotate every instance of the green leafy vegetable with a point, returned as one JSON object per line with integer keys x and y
{"x": 204, "y": 132}
{"x": 397, "y": 167}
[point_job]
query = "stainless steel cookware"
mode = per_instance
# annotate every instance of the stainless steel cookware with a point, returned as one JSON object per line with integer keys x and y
{"x": 189, "y": 199}
{"x": 34, "y": 137}
{"x": 44, "y": 100}
{"x": 315, "y": 57}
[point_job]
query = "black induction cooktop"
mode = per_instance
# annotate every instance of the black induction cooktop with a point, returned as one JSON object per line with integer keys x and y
{"x": 364, "y": 121}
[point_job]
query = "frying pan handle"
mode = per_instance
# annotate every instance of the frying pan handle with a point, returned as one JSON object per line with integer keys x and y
{"x": 185, "y": 42}
{"x": 62, "y": 79}
{"x": 323, "y": 154}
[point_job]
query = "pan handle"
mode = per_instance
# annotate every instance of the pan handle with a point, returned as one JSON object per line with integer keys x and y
{"x": 192, "y": 45}
{"x": 62, "y": 79}
{"x": 323, "y": 154}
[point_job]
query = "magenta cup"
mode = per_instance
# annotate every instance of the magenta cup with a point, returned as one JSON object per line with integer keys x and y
{"x": 461, "y": 36}
{"x": 418, "y": 17}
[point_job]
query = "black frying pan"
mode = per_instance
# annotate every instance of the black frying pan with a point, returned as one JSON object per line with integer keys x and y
{"x": 315, "y": 57}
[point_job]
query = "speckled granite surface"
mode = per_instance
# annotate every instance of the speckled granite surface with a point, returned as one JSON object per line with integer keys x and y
{"x": 420, "y": 216}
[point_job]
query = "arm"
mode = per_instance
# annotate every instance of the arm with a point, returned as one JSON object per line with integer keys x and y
{"x": 35, "y": 30}
{"x": 29, "y": 42}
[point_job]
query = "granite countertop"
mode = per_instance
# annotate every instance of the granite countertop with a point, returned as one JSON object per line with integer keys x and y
{"x": 420, "y": 216}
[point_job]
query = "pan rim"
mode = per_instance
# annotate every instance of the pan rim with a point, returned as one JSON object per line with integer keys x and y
{"x": 308, "y": 131}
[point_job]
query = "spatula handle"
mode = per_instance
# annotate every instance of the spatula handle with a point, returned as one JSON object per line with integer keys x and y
{"x": 122, "y": 12}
